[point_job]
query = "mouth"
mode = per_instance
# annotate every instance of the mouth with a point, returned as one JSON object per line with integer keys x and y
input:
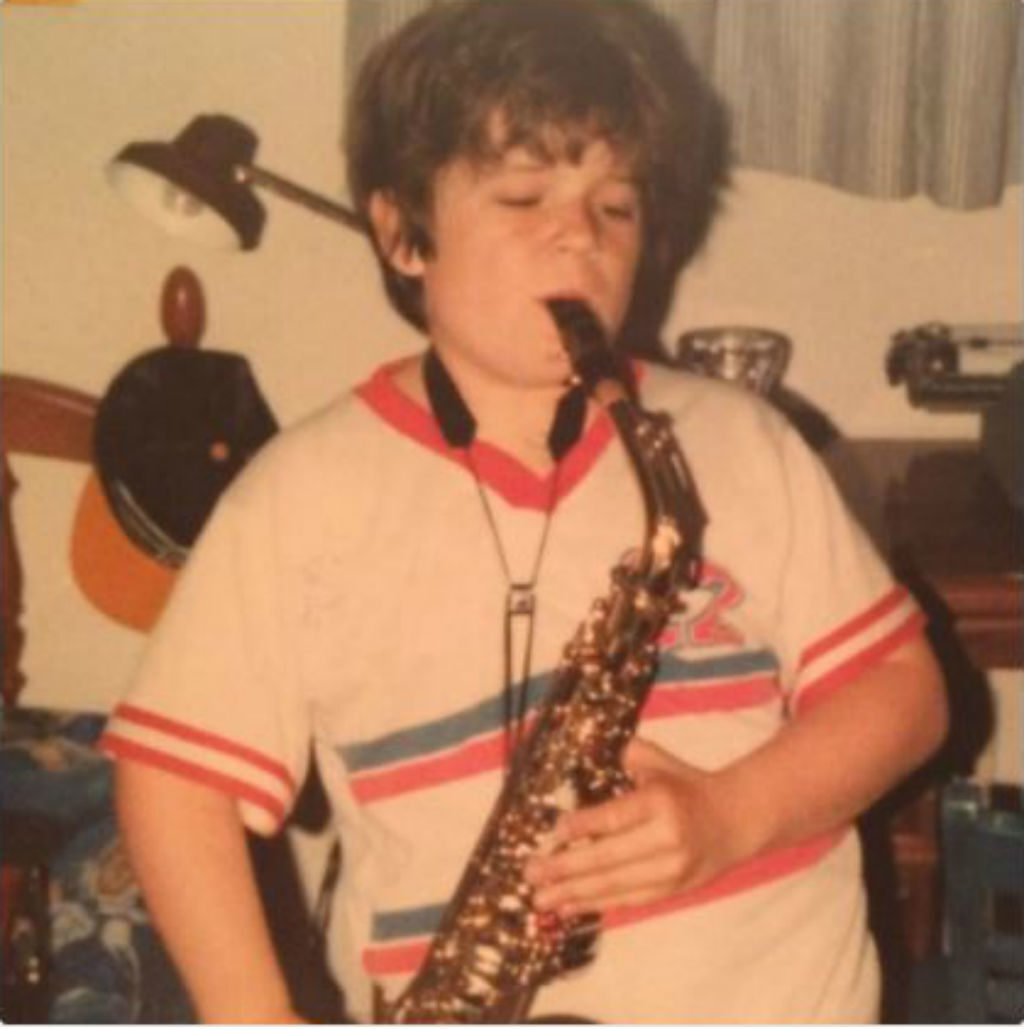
{"x": 570, "y": 295}
{"x": 567, "y": 298}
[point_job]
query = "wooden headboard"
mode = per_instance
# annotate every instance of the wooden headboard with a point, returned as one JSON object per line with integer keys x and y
{"x": 45, "y": 420}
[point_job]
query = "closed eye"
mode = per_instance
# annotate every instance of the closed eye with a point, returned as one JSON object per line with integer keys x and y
{"x": 620, "y": 212}
{"x": 531, "y": 200}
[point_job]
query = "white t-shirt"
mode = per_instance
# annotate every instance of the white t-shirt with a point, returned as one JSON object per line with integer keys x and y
{"x": 348, "y": 591}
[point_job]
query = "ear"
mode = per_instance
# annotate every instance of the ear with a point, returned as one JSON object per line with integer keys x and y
{"x": 391, "y": 236}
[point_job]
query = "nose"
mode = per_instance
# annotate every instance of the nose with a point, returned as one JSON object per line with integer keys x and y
{"x": 578, "y": 227}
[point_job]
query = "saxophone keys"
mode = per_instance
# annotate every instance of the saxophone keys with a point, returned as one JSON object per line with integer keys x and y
{"x": 510, "y": 904}
{"x": 487, "y": 958}
{"x": 477, "y": 989}
{"x": 562, "y": 798}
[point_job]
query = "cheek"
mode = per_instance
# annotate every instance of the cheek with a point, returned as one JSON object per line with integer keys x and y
{"x": 623, "y": 277}
{"x": 631, "y": 255}
{"x": 463, "y": 293}
{"x": 467, "y": 255}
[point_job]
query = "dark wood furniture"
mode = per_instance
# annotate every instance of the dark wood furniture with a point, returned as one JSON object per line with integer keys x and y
{"x": 44, "y": 420}
{"x": 940, "y": 517}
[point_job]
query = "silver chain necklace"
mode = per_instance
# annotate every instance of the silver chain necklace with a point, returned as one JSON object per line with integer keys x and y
{"x": 519, "y": 616}
{"x": 458, "y": 426}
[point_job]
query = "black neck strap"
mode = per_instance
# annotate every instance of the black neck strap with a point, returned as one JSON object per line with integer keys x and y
{"x": 458, "y": 426}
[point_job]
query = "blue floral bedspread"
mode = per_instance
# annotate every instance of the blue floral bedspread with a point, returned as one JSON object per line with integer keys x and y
{"x": 108, "y": 965}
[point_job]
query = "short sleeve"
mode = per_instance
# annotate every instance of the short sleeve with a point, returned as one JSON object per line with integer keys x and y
{"x": 216, "y": 698}
{"x": 841, "y": 609}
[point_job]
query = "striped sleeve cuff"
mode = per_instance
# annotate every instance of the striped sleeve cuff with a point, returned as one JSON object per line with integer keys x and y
{"x": 262, "y": 786}
{"x": 856, "y": 645}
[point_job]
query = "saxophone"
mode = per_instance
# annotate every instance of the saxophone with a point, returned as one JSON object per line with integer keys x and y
{"x": 492, "y": 950}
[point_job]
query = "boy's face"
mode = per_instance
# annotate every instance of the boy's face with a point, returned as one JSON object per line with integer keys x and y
{"x": 510, "y": 233}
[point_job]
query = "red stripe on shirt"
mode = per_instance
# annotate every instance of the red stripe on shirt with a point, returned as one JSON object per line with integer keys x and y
{"x": 822, "y": 687}
{"x": 521, "y": 487}
{"x": 764, "y": 869}
{"x": 876, "y": 612}
{"x": 481, "y": 755}
{"x": 516, "y": 483}
{"x": 397, "y": 960}
{"x": 488, "y": 753}
{"x": 668, "y": 699}
{"x": 118, "y": 746}
{"x": 406, "y": 958}
{"x": 183, "y": 731}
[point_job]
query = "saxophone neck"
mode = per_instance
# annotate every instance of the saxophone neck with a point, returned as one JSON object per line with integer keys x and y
{"x": 675, "y": 517}
{"x": 595, "y": 364}
{"x": 612, "y": 394}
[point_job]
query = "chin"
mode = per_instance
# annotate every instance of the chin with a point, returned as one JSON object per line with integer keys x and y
{"x": 553, "y": 376}
{"x": 558, "y": 366}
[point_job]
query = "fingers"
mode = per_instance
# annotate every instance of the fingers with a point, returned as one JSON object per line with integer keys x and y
{"x": 658, "y": 804}
{"x": 637, "y": 883}
{"x": 607, "y": 873}
{"x": 628, "y": 850}
{"x": 638, "y": 847}
{"x": 608, "y": 819}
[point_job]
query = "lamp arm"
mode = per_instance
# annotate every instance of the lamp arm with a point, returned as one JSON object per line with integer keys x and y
{"x": 251, "y": 174}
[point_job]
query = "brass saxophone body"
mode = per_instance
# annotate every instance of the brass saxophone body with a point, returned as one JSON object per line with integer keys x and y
{"x": 492, "y": 950}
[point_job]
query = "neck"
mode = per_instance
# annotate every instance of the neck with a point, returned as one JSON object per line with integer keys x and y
{"x": 516, "y": 421}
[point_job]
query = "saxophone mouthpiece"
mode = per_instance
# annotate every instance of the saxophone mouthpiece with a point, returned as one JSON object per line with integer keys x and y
{"x": 585, "y": 342}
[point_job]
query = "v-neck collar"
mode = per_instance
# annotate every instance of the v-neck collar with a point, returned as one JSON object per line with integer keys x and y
{"x": 518, "y": 484}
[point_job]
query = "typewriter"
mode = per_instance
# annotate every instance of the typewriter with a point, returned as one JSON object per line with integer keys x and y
{"x": 955, "y": 367}
{"x": 970, "y": 368}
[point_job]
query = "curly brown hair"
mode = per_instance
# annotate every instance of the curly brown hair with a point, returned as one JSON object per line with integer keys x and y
{"x": 574, "y": 70}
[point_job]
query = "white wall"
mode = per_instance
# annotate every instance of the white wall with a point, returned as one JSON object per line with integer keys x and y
{"x": 840, "y": 274}
{"x": 82, "y": 273}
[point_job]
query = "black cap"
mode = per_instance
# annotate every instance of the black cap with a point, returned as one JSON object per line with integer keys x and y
{"x": 174, "y": 427}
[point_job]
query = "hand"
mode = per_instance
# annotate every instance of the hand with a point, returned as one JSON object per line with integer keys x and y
{"x": 668, "y": 834}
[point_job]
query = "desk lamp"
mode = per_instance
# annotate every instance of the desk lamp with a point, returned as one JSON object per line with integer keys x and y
{"x": 200, "y": 185}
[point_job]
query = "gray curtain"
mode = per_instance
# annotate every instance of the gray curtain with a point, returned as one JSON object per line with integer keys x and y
{"x": 886, "y": 98}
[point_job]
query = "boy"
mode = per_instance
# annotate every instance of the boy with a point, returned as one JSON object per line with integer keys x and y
{"x": 394, "y": 578}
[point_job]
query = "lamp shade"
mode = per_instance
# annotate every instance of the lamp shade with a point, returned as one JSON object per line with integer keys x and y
{"x": 189, "y": 186}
